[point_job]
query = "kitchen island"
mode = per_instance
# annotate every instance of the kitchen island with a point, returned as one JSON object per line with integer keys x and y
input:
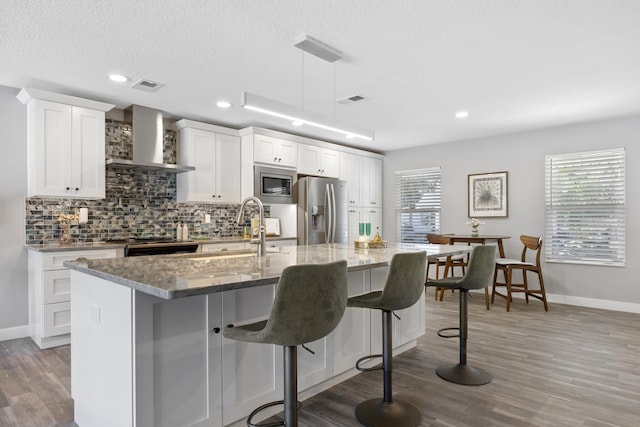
{"x": 147, "y": 348}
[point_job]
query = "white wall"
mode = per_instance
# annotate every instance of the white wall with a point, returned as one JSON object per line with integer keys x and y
{"x": 522, "y": 155}
{"x": 14, "y": 314}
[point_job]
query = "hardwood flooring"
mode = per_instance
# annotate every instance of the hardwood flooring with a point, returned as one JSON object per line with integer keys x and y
{"x": 572, "y": 366}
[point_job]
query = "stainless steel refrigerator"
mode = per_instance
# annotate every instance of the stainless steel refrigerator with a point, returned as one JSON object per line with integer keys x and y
{"x": 322, "y": 210}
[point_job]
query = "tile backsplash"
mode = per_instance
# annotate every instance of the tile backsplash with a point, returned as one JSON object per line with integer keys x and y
{"x": 136, "y": 204}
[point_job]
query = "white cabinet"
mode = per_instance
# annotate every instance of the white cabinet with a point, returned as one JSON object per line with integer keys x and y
{"x": 354, "y": 219}
{"x": 351, "y": 171}
{"x": 216, "y": 157}
{"x": 352, "y": 337}
{"x": 66, "y": 145}
{"x": 275, "y": 151}
{"x": 50, "y": 294}
{"x": 252, "y": 372}
{"x": 318, "y": 161}
{"x": 371, "y": 182}
{"x": 364, "y": 175}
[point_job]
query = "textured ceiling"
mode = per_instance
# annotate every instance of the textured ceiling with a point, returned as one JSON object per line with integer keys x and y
{"x": 514, "y": 65}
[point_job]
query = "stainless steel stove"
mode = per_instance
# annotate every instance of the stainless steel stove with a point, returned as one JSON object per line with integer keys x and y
{"x": 156, "y": 246}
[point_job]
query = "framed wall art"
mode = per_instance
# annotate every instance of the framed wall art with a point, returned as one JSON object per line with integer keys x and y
{"x": 487, "y": 195}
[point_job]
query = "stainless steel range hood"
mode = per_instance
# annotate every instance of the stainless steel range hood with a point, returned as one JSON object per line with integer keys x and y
{"x": 148, "y": 142}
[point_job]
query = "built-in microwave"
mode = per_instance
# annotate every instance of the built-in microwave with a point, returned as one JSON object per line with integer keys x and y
{"x": 273, "y": 185}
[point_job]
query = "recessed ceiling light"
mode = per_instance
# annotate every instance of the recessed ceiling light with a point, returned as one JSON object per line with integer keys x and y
{"x": 118, "y": 78}
{"x": 297, "y": 123}
{"x": 223, "y": 104}
{"x": 462, "y": 114}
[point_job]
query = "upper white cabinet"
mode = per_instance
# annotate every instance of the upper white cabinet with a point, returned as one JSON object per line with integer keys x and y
{"x": 364, "y": 175}
{"x": 65, "y": 139}
{"x": 351, "y": 171}
{"x": 215, "y": 153}
{"x": 371, "y": 182}
{"x": 318, "y": 161}
{"x": 275, "y": 151}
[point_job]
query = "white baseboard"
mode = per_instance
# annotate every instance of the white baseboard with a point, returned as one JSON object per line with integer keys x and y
{"x": 603, "y": 304}
{"x": 14, "y": 333}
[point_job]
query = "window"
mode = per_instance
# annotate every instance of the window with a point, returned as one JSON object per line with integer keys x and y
{"x": 585, "y": 207}
{"x": 418, "y": 204}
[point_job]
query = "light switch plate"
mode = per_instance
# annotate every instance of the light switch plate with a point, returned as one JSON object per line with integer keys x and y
{"x": 207, "y": 219}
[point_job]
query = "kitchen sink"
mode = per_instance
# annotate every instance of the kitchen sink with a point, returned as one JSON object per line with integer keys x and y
{"x": 231, "y": 254}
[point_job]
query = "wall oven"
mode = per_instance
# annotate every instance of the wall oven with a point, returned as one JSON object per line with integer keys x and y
{"x": 273, "y": 185}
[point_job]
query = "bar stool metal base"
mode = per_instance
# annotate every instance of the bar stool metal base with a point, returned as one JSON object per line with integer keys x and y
{"x": 378, "y": 413}
{"x": 463, "y": 374}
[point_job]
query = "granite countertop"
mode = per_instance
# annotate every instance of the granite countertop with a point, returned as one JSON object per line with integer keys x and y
{"x": 80, "y": 246}
{"x": 176, "y": 276}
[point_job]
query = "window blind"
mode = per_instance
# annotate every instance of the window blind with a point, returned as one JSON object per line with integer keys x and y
{"x": 585, "y": 207}
{"x": 418, "y": 204}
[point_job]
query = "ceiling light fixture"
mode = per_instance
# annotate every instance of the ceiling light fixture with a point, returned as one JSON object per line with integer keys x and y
{"x": 223, "y": 104}
{"x": 462, "y": 114}
{"x": 273, "y": 108}
{"x": 300, "y": 116}
{"x": 118, "y": 78}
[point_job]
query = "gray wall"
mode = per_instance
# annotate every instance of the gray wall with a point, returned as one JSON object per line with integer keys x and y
{"x": 522, "y": 155}
{"x": 13, "y": 189}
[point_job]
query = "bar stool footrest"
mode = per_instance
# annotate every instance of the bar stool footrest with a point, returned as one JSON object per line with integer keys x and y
{"x": 463, "y": 374}
{"x": 440, "y": 332}
{"x": 378, "y": 413}
{"x": 365, "y": 358}
{"x": 265, "y": 406}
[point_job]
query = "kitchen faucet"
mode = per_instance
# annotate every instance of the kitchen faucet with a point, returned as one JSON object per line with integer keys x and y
{"x": 260, "y": 241}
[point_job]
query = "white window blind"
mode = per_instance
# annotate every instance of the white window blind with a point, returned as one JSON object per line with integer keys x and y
{"x": 585, "y": 207}
{"x": 418, "y": 204}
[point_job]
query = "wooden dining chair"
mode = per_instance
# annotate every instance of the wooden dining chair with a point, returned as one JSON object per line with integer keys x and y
{"x": 449, "y": 263}
{"x": 532, "y": 246}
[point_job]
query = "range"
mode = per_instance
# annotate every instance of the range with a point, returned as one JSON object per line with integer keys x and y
{"x": 156, "y": 246}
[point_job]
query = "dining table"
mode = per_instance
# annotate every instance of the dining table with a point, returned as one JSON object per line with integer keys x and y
{"x": 482, "y": 239}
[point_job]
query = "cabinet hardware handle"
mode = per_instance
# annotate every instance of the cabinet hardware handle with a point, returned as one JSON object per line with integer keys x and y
{"x": 279, "y": 159}
{"x": 275, "y": 159}
{"x": 216, "y": 330}
{"x": 230, "y": 325}
{"x": 77, "y": 189}
{"x": 68, "y": 188}
{"x": 219, "y": 195}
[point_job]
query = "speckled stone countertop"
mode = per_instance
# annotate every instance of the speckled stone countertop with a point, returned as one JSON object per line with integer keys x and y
{"x": 176, "y": 276}
{"x": 79, "y": 246}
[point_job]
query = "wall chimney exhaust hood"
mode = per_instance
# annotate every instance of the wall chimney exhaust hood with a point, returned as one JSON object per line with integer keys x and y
{"x": 148, "y": 142}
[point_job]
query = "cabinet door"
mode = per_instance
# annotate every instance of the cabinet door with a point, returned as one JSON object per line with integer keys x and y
{"x": 56, "y": 286}
{"x": 354, "y": 218}
{"x": 252, "y": 373}
{"x": 201, "y": 148}
{"x": 274, "y": 151}
{"x": 371, "y": 182}
{"x": 56, "y": 319}
{"x": 329, "y": 162}
{"x": 50, "y": 149}
{"x": 308, "y": 159}
{"x": 352, "y": 337}
{"x": 410, "y": 326}
{"x": 87, "y": 153}
{"x": 374, "y": 217}
{"x": 287, "y": 152}
{"x": 227, "y": 175}
{"x": 351, "y": 171}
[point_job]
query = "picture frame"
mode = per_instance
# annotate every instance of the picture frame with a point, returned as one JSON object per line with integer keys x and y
{"x": 487, "y": 195}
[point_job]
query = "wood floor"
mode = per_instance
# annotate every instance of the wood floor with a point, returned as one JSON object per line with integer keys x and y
{"x": 571, "y": 366}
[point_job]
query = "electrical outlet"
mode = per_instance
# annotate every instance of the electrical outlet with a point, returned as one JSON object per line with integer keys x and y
{"x": 207, "y": 219}
{"x": 95, "y": 312}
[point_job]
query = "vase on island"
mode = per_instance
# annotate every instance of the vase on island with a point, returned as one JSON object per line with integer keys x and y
{"x": 474, "y": 231}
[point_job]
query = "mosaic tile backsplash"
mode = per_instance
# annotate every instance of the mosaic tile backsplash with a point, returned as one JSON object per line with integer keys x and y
{"x": 138, "y": 204}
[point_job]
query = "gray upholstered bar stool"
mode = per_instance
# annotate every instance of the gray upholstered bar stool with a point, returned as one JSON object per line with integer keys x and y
{"x": 402, "y": 289}
{"x": 309, "y": 303}
{"x": 479, "y": 275}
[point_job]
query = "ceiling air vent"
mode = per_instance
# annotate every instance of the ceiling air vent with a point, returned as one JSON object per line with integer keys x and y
{"x": 147, "y": 85}
{"x": 352, "y": 99}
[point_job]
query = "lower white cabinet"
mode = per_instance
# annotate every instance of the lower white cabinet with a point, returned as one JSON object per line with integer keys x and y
{"x": 50, "y": 293}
